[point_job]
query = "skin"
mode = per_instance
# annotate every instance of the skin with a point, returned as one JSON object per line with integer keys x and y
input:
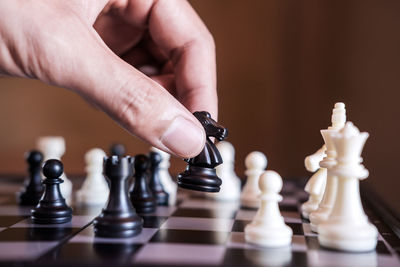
{"x": 148, "y": 64}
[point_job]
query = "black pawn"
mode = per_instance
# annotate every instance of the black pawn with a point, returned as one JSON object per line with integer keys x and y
{"x": 117, "y": 150}
{"x": 155, "y": 183}
{"x": 33, "y": 190}
{"x": 52, "y": 208}
{"x": 119, "y": 218}
{"x": 141, "y": 196}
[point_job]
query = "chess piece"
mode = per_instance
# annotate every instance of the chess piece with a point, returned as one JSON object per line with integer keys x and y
{"x": 315, "y": 186}
{"x": 268, "y": 228}
{"x": 255, "y": 162}
{"x": 52, "y": 208}
{"x": 118, "y": 218}
{"x": 117, "y": 150}
{"x": 53, "y": 147}
{"x": 168, "y": 184}
{"x": 231, "y": 185}
{"x": 33, "y": 190}
{"x": 325, "y": 207}
{"x": 94, "y": 190}
{"x": 154, "y": 182}
{"x": 347, "y": 227}
{"x": 200, "y": 173}
{"x": 141, "y": 196}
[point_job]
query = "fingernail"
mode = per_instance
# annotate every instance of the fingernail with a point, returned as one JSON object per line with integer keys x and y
{"x": 183, "y": 137}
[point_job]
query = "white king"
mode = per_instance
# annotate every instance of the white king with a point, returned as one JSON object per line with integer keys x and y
{"x": 347, "y": 227}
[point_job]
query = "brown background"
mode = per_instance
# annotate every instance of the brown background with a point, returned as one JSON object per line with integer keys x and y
{"x": 281, "y": 67}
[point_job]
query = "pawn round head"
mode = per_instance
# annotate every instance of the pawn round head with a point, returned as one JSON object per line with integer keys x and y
{"x": 226, "y": 150}
{"x": 164, "y": 155}
{"x": 117, "y": 150}
{"x": 53, "y": 169}
{"x": 34, "y": 157}
{"x": 256, "y": 160}
{"x": 141, "y": 163}
{"x": 270, "y": 182}
{"x": 95, "y": 155}
{"x": 51, "y": 146}
{"x": 155, "y": 158}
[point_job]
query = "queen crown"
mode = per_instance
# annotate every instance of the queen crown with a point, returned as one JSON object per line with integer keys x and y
{"x": 349, "y": 143}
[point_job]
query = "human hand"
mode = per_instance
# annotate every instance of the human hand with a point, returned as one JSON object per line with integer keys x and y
{"x": 93, "y": 47}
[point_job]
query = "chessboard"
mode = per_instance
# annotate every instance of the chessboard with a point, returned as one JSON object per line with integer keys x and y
{"x": 195, "y": 232}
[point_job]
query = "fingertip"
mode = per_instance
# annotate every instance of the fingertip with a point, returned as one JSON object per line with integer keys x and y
{"x": 184, "y": 137}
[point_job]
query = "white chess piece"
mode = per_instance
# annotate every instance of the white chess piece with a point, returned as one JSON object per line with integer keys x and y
{"x": 255, "y": 162}
{"x": 347, "y": 227}
{"x": 325, "y": 207}
{"x": 316, "y": 184}
{"x": 231, "y": 185}
{"x": 268, "y": 227}
{"x": 94, "y": 190}
{"x": 165, "y": 178}
{"x": 53, "y": 147}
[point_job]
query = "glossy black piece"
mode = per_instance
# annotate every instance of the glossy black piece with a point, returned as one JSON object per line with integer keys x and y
{"x": 34, "y": 189}
{"x": 154, "y": 182}
{"x": 200, "y": 173}
{"x": 141, "y": 196}
{"x": 52, "y": 208}
{"x": 118, "y": 218}
{"x": 117, "y": 150}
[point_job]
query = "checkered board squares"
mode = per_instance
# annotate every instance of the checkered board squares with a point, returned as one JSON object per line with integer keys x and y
{"x": 195, "y": 232}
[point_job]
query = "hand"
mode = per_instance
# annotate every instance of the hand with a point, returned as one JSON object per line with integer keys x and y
{"x": 93, "y": 47}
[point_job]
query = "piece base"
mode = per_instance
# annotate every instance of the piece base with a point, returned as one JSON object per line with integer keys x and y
{"x": 199, "y": 179}
{"x": 117, "y": 227}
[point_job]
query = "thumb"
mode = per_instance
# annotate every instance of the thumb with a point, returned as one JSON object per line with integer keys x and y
{"x": 139, "y": 104}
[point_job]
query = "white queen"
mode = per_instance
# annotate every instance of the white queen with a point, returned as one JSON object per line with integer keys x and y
{"x": 347, "y": 227}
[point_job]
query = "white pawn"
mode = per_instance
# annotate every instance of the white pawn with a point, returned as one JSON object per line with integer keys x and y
{"x": 230, "y": 188}
{"x": 94, "y": 190}
{"x": 53, "y": 147}
{"x": 268, "y": 227}
{"x": 316, "y": 184}
{"x": 255, "y": 162}
{"x": 165, "y": 178}
{"x": 347, "y": 227}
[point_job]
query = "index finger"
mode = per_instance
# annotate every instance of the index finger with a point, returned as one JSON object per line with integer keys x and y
{"x": 176, "y": 28}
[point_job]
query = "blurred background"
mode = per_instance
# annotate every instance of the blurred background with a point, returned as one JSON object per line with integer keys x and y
{"x": 281, "y": 67}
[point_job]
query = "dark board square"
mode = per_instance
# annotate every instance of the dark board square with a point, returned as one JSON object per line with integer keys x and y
{"x": 190, "y": 237}
{"x": 95, "y": 253}
{"x": 37, "y": 234}
{"x": 297, "y": 228}
{"x": 205, "y": 213}
{"x": 381, "y": 248}
{"x": 238, "y": 225}
{"x": 7, "y": 221}
{"x": 153, "y": 221}
{"x": 264, "y": 257}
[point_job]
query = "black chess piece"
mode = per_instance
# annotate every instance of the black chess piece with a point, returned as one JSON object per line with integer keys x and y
{"x": 200, "y": 173}
{"x": 141, "y": 196}
{"x": 33, "y": 190}
{"x": 118, "y": 150}
{"x": 52, "y": 208}
{"x": 154, "y": 182}
{"x": 118, "y": 218}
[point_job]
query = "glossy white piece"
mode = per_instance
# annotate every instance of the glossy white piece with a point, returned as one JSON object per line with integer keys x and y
{"x": 94, "y": 190}
{"x": 168, "y": 184}
{"x": 268, "y": 228}
{"x": 53, "y": 147}
{"x": 255, "y": 162}
{"x": 315, "y": 186}
{"x": 347, "y": 227}
{"x": 230, "y": 188}
{"x": 325, "y": 207}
